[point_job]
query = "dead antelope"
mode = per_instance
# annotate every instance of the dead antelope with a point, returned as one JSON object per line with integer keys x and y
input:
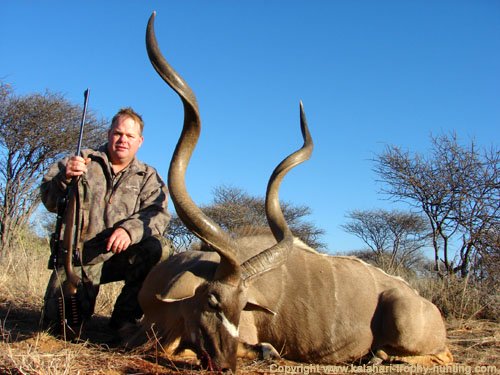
{"x": 271, "y": 293}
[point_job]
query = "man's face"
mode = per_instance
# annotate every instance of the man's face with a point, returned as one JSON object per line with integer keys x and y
{"x": 124, "y": 139}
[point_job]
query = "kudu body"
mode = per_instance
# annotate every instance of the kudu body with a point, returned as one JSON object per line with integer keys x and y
{"x": 270, "y": 293}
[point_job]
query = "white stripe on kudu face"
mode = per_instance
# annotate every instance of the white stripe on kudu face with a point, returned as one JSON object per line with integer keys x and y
{"x": 230, "y": 327}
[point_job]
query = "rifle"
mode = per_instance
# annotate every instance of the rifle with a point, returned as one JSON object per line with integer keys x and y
{"x": 72, "y": 220}
{"x": 68, "y": 252}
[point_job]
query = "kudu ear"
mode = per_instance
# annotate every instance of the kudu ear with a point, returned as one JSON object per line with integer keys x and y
{"x": 257, "y": 302}
{"x": 182, "y": 287}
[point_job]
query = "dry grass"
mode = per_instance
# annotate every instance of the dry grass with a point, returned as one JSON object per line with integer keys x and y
{"x": 25, "y": 349}
{"x": 460, "y": 298}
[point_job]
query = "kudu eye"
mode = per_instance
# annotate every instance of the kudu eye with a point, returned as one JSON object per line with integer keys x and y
{"x": 213, "y": 302}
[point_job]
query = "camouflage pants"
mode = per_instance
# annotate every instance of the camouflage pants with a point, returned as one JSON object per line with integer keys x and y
{"x": 131, "y": 266}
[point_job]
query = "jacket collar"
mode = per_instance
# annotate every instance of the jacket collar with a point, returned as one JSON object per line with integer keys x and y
{"x": 135, "y": 166}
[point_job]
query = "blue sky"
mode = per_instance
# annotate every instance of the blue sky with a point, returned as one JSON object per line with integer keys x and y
{"x": 370, "y": 74}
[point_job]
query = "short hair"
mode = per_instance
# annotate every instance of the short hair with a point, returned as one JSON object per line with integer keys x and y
{"x": 128, "y": 112}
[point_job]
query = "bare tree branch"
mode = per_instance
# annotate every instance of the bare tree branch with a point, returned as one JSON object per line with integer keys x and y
{"x": 456, "y": 187}
{"x": 396, "y": 238}
{"x": 35, "y": 130}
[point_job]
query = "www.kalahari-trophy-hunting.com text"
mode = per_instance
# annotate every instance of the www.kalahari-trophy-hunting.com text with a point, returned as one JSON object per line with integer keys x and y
{"x": 370, "y": 369}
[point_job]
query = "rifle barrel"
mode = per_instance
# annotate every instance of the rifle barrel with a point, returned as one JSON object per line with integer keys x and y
{"x": 80, "y": 136}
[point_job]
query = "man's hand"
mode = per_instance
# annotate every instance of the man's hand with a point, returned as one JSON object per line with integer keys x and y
{"x": 76, "y": 166}
{"x": 118, "y": 241}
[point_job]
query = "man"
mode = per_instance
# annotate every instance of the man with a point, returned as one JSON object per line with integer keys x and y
{"x": 123, "y": 209}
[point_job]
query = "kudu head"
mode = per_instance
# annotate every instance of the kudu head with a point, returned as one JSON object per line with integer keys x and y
{"x": 214, "y": 303}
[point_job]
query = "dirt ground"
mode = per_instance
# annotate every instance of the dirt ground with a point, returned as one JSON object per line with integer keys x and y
{"x": 25, "y": 349}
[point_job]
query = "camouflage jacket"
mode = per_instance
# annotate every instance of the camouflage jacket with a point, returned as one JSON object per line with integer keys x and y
{"x": 134, "y": 199}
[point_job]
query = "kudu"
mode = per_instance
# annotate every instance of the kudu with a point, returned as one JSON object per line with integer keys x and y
{"x": 270, "y": 293}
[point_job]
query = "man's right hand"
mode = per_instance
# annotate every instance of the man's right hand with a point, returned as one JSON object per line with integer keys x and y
{"x": 76, "y": 166}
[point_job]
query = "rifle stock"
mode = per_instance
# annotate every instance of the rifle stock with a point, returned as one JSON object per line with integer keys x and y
{"x": 70, "y": 239}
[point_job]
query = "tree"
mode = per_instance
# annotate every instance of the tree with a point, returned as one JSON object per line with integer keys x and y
{"x": 234, "y": 209}
{"x": 35, "y": 130}
{"x": 457, "y": 188}
{"x": 396, "y": 238}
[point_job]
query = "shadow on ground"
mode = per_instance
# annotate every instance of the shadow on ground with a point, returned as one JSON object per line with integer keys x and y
{"x": 18, "y": 323}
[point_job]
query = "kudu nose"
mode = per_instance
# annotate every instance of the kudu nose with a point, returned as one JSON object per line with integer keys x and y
{"x": 226, "y": 367}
